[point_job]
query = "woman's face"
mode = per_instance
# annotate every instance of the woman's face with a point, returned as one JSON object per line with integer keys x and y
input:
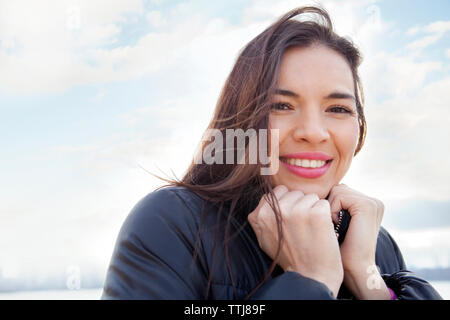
{"x": 315, "y": 111}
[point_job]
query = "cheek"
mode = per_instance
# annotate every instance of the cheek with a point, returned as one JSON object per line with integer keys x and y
{"x": 346, "y": 138}
{"x": 282, "y": 126}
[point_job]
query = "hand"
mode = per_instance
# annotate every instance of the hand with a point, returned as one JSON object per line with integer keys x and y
{"x": 309, "y": 244}
{"x": 359, "y": 246}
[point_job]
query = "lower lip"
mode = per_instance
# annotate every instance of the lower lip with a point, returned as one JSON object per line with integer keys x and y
{"x": 310, "y": 173}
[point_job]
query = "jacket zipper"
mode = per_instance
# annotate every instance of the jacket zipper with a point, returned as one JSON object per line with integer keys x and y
{"x": 338, "y": 224}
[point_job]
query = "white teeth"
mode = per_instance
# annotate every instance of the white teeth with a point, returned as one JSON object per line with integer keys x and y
{"x": 305, "y": 163}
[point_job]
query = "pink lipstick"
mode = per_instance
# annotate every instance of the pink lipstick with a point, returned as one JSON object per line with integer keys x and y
{"x": 305, "y": 172}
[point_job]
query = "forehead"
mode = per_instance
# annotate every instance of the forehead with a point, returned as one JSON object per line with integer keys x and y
{"x": 315, "y": 70}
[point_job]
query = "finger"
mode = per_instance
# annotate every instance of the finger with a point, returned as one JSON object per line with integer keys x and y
{"x": 322, "y": 206}
{"x": 336, "y": 205}
{"x": 254, "y": 224}
{"x": 334, "y": 217}
{"x": 254, "y": 214}
{"x": 345, "y": 202}
{"x": 251, "y": 218}
{"x": 278, "y": 192}
{"x": 333, "y": 210}
{"x": 257, "y": 229}
{"x": 321, "y": 203}
{"x": 260, "y": 211}
{"x": 335, "y": 190}
{"x": 306, "y": 202}
{"x": 289, "y": 199}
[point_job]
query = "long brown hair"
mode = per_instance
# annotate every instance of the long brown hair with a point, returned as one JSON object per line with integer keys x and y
{"x": 244, "y": 103}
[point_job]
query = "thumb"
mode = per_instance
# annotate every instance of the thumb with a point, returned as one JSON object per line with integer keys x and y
{"x": 341, "y": 203}
{"x": 251, "y": 218}
{"x": 335, "y": 217}
{"x": 336, "y": 205}
{"x": 254, "y": 224}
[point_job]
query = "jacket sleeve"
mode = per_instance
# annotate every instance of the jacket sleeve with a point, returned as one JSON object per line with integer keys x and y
{"x": 152, "y": 257}
{"x": 406, "y": 284}
{"x": 292, "y": 285}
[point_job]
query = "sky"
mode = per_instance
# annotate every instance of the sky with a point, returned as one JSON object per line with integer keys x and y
{"x": 94, "y": 93}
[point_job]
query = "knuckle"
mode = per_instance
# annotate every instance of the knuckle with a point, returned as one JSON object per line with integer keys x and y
{"x": 313, "y": 196}
{"x": 373, "y": 203}
{"x": 380, "y": 205}
{"x": 262, "y": 221}
{"x": 318, "y": 217}
{"x": 298, "y": 192}
{"x": 333, "y": 191}
{"x": 322, "y": 203}
{"x": 287, "y": 201}
{"x": 321, "y": 210}
{"x": 341, "y": 187}
{"x": 323, "y": 218}
{"x": 280, "y": 188}
{"x": 265, "y": 206}
{"x": 294, "y": 195}
{"x": 298, "y": 208}
{"x": 267, "y": 218}
{"x": 303, "y": 205}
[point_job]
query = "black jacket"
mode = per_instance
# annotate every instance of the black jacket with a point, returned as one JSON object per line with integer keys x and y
{"x": 152, "y": 258}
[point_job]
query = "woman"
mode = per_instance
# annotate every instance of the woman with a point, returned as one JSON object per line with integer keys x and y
{"x": 226, "y": 231}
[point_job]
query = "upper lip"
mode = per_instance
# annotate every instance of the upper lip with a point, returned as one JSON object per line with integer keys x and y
{"x": 309, "y": 155}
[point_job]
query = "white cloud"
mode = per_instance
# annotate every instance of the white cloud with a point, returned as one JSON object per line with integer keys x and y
{"x": 425, "y": 41}
{"x": 62, "y": 45}
{"x": 194, "y": 54}
{"x": 435, "y": 31}
{"x": 37, "y": 24}
{"x": 157, "y": 2}
{"x": 407, "y": 132}
{"x": 51, "y": 40}
{"x": 156, "y": 18}
{"x": 407, "y": 120}
{"x": 413, "y": 31}
{"x": 438, "y": 27}
{"x": 389, "y": 75}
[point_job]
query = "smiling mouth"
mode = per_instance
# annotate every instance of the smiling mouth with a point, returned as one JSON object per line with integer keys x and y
{"x": 305, "y": 163}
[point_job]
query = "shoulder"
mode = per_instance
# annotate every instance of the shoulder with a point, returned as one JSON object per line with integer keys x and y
{"x": 166, "y": 208}
{"x": 388, "y": 255}
{"x": 383, "y": 235}
{"x": 385, "y": 240}
{"x": 173, "y": 196}
{"x": 155, "y": 245}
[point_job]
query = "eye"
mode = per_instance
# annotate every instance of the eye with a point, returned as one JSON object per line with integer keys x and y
{"x": 281, "y": 106}
{"x": 340, "y": 109}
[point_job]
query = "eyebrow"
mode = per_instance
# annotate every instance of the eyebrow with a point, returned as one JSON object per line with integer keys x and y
{"x": 333, "y": 95}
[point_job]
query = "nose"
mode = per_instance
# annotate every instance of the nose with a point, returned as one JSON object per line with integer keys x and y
{"x": 310, "y": 127}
